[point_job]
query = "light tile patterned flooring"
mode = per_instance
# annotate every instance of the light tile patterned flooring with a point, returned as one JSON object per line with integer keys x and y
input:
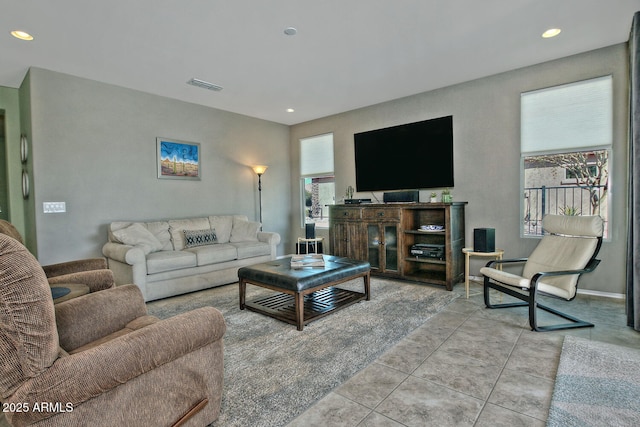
{"x": 468, "y": 366}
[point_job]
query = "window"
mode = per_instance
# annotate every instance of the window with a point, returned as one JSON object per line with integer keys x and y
{"x": 566, "y": 139}
{"x": 317, "y": 180}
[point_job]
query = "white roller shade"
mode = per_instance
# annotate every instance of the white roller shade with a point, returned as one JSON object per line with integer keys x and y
{"x": 316, "y": 155}
{"x": 568, "y": 117}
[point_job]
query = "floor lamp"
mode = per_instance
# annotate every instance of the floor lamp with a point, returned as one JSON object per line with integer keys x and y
{"x": 259, "y": 170}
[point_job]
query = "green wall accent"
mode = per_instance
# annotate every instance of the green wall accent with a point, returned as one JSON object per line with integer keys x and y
{"x": 13, "y": 206}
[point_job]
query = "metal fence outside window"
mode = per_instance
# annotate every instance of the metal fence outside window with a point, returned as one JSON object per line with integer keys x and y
{"x": 565, "y": 200}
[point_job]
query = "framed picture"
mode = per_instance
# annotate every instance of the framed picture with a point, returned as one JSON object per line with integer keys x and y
{"x": 178, "y": 159}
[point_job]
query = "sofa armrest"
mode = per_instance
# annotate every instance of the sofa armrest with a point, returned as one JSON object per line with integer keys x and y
{"x": 96, "y": 280}
{"x": 85, "y": 319}
{"x": 124, "y": 253}
{"x": 269, "y": 237}
{"x": 85, "y": 375}
{"x": 59, "y": 269}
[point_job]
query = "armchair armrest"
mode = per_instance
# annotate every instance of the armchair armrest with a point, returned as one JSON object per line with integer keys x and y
{"x": 96, "y": 280}
{"x": 69, "y": 267}
{"x": 85, "y": 375}
{"x": 588, "y": 269}
{"x": 90, "y": 317}
{"x": 505, "y": 261}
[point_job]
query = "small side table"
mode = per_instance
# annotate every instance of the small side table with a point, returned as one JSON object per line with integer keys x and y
{"x": 312, "y": 246}
{"x": 469, "y": 252}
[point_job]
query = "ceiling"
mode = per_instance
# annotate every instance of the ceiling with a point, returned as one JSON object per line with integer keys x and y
{"x": 346, "y": 53}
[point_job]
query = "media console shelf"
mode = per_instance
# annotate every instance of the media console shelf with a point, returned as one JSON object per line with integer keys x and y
{"x": 384, "y": 235}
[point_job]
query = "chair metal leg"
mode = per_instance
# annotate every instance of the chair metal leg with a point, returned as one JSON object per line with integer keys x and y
{"x": 488, "y": 285}
{"x": 575, "y": 322}
{"x": 530, "y": 300}
{"x": 533, "y": 322}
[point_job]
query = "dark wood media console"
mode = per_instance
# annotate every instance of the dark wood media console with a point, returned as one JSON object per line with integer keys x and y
{"x": 383, "y": 235}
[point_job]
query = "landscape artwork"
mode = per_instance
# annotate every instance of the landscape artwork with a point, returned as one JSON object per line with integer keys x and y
{"x": 178, "y": 159}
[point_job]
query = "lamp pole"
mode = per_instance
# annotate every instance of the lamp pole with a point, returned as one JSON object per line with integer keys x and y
{"x": 259, "y": 170}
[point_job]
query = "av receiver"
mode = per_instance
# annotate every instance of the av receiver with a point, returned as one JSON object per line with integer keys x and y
{"x": 426, "y": 250}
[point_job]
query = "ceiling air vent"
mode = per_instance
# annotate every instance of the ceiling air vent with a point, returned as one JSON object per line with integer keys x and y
{"x": 205, "y": 85}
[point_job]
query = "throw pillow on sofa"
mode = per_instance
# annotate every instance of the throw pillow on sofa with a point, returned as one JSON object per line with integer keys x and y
{"x": 137, "y": 235}
{"x": 244, "y": 231}
{"x": 194, "y": 238}
{"x": 177, "y": 227}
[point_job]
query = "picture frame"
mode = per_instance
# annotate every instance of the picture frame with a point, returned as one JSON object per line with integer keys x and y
{"x": 178, "y": 159}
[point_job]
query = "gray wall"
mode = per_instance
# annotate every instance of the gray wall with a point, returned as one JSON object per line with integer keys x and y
{"x": 487, "y": 150}
{"x": 94, "y": 147}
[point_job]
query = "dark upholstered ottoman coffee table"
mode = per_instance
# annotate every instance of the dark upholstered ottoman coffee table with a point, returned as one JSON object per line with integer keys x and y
{"x": 303, "y": 294}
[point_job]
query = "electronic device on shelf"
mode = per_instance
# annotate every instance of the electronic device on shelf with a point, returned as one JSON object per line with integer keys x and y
{"x": 356, "y": 201}
{"x": 426, "y": 250}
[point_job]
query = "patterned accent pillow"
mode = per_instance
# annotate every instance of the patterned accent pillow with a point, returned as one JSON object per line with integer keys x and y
{"x": 193, "y": 238}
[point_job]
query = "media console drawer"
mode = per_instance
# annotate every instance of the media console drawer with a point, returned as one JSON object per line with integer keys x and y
{"x": 346, "y": 213}
{"x": 381, "y": 213}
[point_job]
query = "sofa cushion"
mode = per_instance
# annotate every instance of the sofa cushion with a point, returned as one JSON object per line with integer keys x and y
{"x": 158, "y": 262}
{"x": 160, "y": 229}
{"x": 222, "y": 224}
{"x": 177, "y": 226}
{"x": 137, "y": 235}
{"x": 252, "y": 249}
{"x": 244, "y": 231}
{"x": 212, "y": 254}
{"x": 194, "y": 238}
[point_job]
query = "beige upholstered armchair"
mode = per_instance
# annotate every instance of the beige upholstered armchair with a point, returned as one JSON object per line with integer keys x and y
{"x": 72, "y": 278}
{"x": 99, "y": 359}
{"x": 567, "y": 250}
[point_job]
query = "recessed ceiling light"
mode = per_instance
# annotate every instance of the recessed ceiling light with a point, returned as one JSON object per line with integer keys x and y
{"x": 22, "y": 35}
{"x": 290, "y": 31}
{"x": 290, "y": 110}
{"x": 552, "y": 32}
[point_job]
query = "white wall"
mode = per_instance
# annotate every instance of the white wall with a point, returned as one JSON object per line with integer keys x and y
{"x": 486, "y": 114}
{"x": 94, "y": 147}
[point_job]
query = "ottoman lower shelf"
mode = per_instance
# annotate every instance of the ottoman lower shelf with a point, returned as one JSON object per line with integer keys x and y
{"x": 316, "y": 305}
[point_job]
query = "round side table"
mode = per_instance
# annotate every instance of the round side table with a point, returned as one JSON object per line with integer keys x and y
{"x": 314, "y": 244}
{"x": 469, "y": 252}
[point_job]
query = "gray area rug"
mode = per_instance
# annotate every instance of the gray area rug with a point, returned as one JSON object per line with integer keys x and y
{"x": 273, "y": 372}
{"x": 597, "y": 384}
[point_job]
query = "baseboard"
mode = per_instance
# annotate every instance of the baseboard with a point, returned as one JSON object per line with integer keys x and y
{"x": 601, "y": 294}
{"x": 580, "y": 291}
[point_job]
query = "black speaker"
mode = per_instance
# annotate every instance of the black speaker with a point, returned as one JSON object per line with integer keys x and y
{"x": 401, "y": 196}
{"x": 484, "y": 239}
{"x": 310, "y": 230}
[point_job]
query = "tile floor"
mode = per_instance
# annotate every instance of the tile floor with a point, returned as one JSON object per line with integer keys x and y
{"x": 468, "y": 365}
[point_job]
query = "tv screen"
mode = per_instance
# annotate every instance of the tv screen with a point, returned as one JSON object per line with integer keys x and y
{"x": 406, "y": 157}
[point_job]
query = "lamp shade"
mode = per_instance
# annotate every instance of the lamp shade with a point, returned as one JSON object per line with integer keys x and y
{"x": 259, "y": 169}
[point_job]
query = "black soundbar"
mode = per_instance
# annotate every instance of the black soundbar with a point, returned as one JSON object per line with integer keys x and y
{"x": 408, "y": 196}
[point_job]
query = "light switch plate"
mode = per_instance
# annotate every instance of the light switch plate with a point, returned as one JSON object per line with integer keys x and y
{"x": 54, "y": 207}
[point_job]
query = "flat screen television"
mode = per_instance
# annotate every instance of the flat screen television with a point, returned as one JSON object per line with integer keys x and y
{"x": 406, "y": 157}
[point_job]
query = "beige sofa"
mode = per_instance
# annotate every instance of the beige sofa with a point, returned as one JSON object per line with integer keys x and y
{"x": 166, "y": 258}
